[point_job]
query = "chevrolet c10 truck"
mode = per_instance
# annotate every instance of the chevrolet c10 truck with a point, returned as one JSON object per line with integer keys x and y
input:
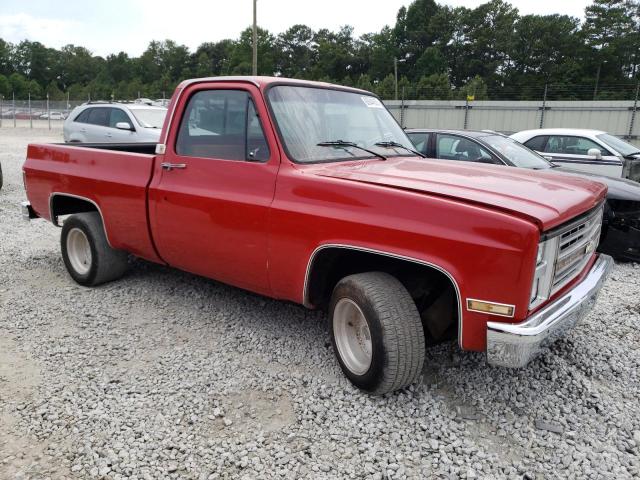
{"x": 312, "y": 193}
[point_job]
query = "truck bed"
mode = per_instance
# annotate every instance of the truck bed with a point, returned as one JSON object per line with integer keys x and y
{"x": 113, "y": 176}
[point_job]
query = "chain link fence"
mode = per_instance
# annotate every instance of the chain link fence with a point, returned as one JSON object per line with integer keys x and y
{"x": 615, "y": 108}
{"x": 47, "y": 114}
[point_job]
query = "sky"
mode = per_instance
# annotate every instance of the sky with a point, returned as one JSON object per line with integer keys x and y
{"x": 112, "y": 26}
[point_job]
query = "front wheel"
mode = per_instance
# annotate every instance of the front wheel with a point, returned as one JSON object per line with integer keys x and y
{"x": 86, "y": 253}
{"x": 376, "y": 332}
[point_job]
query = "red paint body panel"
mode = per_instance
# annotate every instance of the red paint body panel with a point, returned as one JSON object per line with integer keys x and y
{"x": 115, "y": 181}
{"x": 257, "y": 225}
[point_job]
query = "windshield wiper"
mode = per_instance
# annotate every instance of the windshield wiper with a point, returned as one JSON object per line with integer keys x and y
{"x": 342, "y": 143}
{"x": 399, "y": 145}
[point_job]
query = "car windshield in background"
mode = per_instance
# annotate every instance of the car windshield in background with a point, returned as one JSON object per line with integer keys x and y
{"x": 617, "y": 144}
{"x": 149, "y": 117}
{"x": 516, "y": 153}
{"x": 309, "y": 116}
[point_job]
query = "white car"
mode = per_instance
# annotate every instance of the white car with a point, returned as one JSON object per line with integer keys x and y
{"x": 592, "y": 151}
{"x": 114, "y": 123}
{"x": 53, "y": 116}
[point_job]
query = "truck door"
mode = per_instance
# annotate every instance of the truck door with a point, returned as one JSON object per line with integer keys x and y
{"x": 212, "y": 189}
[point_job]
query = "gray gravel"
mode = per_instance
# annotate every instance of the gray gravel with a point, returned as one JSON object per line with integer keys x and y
{"x": 167, "y": 375}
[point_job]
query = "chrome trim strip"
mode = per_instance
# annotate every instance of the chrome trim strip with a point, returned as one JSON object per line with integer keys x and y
{"x": 515, "y": 345}
{"x": 306, "y": 303}
{"x": 54, "y": 219}
{"x": 492, "y": 303}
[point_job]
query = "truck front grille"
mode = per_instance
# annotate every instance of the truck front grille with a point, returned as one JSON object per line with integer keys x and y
{"x": 578, "y": 241}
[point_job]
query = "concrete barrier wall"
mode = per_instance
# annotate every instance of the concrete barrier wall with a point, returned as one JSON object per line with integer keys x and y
{"x": 509, "y": 117}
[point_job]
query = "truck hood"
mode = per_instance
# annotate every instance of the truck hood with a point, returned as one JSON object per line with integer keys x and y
{"x": 546, "y": 198}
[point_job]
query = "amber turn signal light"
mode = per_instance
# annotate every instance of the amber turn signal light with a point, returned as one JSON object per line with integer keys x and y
{"x": 490, "y": 307}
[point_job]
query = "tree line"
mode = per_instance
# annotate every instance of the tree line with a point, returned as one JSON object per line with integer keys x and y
{"x": 442, "y": 52}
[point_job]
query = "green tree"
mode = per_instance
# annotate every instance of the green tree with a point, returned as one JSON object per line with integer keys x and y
{"x": 5, "y": 86}
{"x": 433, "y": 87}
{"x": 611, "y": 32}
{"x": 295, "y": 52}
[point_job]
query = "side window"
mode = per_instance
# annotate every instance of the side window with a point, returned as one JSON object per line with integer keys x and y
{"x": 221, "y": 124}
{"x": 420, "y": 141}
{"x": 572, "y": 145}
{"x": 537, "y": 143}
{"x": 452, "y": 147}
{"x": 117, "y": 116}
{"x": 99, "y": 116}
{"x": 446, "y": 147}
{"x": 84, "y": 116}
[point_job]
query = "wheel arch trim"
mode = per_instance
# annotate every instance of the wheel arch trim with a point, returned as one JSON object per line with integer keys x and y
{"x": 317, "y": 250}
{"x": 54, "y": 218}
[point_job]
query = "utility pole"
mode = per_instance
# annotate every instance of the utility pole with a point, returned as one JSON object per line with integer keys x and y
{"x": 395, "y": 75}
{"x": 254, "y": 62}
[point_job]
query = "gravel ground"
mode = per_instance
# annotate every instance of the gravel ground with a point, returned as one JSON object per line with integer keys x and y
{"x": 167, "y": 375}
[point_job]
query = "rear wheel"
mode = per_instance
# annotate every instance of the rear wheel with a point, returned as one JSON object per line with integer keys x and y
{"x": 376, "y": 332}
{"x": 86, "y": 253}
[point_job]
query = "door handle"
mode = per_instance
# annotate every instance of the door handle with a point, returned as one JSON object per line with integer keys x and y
{"x": 170, "y": 166}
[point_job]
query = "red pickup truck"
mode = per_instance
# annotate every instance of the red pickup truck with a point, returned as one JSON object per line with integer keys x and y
{"x": 312, "y": 193}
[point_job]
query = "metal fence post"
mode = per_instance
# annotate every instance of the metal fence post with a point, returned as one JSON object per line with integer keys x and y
{"x": 466, "y": 113}
{"x": 544, "y": 105}
{"x": 48, "y": 111}
{"x": 633, "y": 111}
{"x": 1, "y": 103}
{"x": 402, "y": 110}
{"x": 14, "y": 109}
{"x": 30, "y": 116}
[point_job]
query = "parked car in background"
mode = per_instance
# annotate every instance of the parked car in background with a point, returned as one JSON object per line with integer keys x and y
{"x": 620, "y": 235}
{"x": 312, "y": 193}
{"x": 162, "y": 102}
{"x": 593, "y": 151}
{"x": 114, "y": 123}
{"x": 53, "y": 116}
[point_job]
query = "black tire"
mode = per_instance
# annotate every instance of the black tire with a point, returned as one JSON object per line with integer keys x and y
{"x": 106, "y": 264}
{"x": 396, "y": 332}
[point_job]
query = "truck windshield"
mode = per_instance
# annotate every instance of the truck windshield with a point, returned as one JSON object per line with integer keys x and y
{"x": 316, "y": 125}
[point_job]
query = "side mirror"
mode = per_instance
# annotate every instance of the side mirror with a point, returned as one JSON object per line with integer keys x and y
{"x": 595, "y": 152}
{"x": 124, "y": 126}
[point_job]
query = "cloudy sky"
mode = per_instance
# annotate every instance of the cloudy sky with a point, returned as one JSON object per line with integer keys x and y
{"x": 129, "y": 25}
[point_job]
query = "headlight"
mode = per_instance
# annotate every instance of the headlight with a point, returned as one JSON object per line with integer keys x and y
{"x": 543, "y": 277}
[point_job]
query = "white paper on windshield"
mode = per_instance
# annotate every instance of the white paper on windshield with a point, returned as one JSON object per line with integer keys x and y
{"x": 371, "y": 102}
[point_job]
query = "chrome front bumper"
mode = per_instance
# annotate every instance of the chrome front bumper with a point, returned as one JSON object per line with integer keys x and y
{"x": 28, "y": 213}
{"x": 514, "y": 345}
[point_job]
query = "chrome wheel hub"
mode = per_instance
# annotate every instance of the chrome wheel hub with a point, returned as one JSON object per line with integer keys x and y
{"x": 352, "y": 336}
